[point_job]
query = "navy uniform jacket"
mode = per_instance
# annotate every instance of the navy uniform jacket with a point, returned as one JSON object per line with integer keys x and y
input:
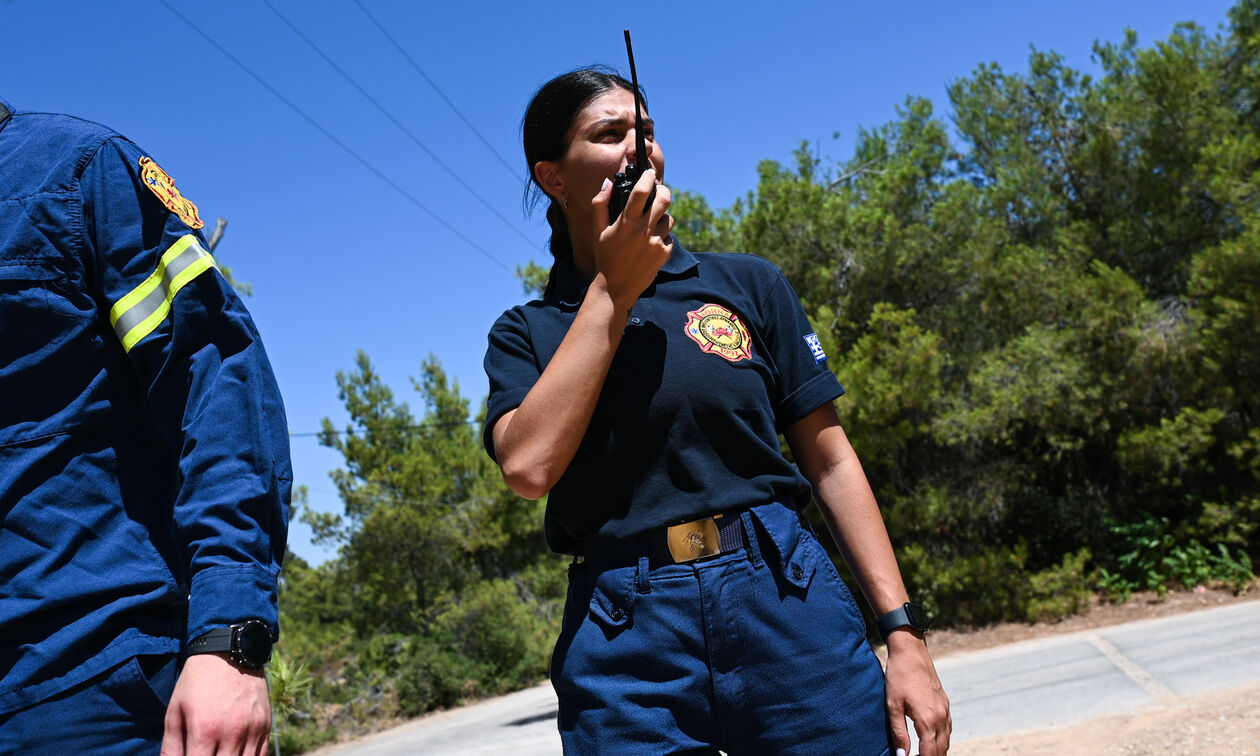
{"x": 144, "y": 460}
{"x": 718, "y": 359}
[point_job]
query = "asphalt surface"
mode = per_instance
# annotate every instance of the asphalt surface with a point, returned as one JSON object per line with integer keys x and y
{"x": 1031, "y": 685}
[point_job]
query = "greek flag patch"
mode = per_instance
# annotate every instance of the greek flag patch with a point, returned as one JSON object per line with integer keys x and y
{"x": 815, "y": 347}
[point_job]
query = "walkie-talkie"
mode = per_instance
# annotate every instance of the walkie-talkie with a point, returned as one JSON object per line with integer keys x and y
{"x": 624, "y": 182}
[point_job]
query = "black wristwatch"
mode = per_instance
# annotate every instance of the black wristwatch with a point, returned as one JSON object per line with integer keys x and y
{"x": 249, "y": 643}
{"x": 908, "y": 615}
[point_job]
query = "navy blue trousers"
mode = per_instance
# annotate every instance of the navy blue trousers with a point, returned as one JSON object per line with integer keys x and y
{"x": 759, "y": 651}
{"x": 120, "y": 711}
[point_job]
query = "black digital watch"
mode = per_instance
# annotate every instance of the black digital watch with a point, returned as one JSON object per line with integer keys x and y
{"x": 908, "y": 614}
{"x": 249, "y": 643}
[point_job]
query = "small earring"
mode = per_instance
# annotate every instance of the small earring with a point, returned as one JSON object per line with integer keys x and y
{"x": 564, "y": 200}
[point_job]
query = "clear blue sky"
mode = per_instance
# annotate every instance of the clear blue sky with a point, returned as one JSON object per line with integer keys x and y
{"x": 340, "y": 260}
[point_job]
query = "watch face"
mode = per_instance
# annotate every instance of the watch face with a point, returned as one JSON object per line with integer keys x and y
{"x": 917, "y": 616}
{"x": 252, "y": 644}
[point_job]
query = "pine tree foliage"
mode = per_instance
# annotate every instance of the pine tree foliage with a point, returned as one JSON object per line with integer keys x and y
{"x": 1044, "y": 310}
{"x": 443, "y": 588}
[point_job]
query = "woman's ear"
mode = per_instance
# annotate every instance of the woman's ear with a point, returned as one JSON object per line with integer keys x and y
{"x": 548, "y": 178}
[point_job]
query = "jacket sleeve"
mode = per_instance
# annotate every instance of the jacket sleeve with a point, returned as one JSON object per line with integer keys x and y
{"x": 208, "y": 386}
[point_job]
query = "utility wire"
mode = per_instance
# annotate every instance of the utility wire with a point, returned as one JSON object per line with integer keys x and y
{"x": 399, "y": 124}
{"x": 384, "y": 428}
{"x": 515, "y": 174}
{"x": 442, "y": 221}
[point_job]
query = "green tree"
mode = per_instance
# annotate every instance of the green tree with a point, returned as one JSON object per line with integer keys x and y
{"x": 443, "y": 587}
{"x": 426, "y": 511}
{"x": 1047, "y": 328}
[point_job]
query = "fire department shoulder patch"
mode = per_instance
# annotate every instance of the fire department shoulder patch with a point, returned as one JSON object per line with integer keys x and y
{"x": 719, "y": 331}
{"x": 163, "y": 187}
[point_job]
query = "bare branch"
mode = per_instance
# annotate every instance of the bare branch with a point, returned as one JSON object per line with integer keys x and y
{"x": 219, "y": 225}
{"x": 864, "y": 168}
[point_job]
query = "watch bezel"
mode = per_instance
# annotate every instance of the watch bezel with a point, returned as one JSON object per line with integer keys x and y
{"x": 916, "y": 616}
{"x": 240, "y": 643}
{"x": 909, "y": 614}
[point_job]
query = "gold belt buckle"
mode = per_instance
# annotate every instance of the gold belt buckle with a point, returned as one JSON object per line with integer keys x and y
{"x": 692, "y": 540}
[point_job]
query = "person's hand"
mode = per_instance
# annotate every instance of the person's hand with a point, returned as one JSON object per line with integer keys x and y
{"x": 217, "y": 708}
{"x": 913, "y": 690}
{"x": 629, "y": 252}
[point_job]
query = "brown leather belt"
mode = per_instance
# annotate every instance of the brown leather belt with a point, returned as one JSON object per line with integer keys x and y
{"x": 697, "y": 539}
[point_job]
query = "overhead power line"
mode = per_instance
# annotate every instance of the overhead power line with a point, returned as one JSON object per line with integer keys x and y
{"x": 410, "y": 134}
{"x": 398, "y": 188}
{"x": 513, "y": 171}
{"x": 386, "y": 427}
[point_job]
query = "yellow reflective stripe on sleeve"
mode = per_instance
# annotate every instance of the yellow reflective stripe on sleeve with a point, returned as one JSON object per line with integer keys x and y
{"x": 138, "y": 313}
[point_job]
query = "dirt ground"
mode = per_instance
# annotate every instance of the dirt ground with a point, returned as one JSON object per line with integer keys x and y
{"x": 1222, "y": 722}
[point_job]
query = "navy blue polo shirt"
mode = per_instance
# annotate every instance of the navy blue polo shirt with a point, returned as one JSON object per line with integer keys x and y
{"x": 717, "y": 359}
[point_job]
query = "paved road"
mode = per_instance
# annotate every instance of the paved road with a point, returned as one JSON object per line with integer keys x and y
{"x": 1030, "y": 685}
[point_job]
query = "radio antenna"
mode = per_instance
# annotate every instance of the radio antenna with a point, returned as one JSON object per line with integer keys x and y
{"x": 640, "y": 145}
{"x": 623, "y": 182}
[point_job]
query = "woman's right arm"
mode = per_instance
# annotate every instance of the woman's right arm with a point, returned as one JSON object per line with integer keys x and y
{"x": 535, "y": 442}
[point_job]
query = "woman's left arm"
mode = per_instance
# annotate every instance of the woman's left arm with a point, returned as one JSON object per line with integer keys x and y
{"x": 827, "y": 460}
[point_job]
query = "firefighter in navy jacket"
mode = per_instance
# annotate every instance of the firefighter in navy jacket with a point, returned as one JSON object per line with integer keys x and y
{"x": 144, "y": 460}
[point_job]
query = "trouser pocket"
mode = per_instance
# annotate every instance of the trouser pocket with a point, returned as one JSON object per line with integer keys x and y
{"x": 604, "y": 596}
{"x": 780, "y": 540}
{"x": 158, "y": 672}
{"x": 612, "y": 600}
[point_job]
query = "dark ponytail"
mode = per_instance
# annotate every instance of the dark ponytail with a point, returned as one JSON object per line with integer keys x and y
{"x": 545, "y": 135}
{"x": 561, "y": 245}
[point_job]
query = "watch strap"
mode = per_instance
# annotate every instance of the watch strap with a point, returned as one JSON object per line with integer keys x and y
{"x": 217, "y": 640}
{"x": 249, "y": 643}
{"x": 908, "y": 614}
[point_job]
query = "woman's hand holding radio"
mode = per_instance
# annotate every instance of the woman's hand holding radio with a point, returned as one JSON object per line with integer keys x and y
{"x": 629, "y": 252}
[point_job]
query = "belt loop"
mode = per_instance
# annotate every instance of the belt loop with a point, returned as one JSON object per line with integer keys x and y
{"x": 753, "y": 547}
{"x": 641, "y": 582}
